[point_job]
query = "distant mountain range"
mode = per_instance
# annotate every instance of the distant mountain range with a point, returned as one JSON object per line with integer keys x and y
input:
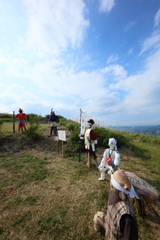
{"x": 151, "y": 129}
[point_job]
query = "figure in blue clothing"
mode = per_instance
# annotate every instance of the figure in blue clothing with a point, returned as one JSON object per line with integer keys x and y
{"x": 53, "y": 118}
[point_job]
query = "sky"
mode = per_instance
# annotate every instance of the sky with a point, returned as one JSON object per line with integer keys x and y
{"x": 101, "y": 56}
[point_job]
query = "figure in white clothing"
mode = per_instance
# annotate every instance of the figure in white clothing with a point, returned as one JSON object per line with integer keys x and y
{"x": 110, "y": 160}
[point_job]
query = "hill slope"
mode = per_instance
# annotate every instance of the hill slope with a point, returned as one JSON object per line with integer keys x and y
{"x": 45, "y": 196}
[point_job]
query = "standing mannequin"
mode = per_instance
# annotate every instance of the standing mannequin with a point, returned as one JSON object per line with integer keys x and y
{"x": 110, "y": 160}
{"x": 53, "y": 119}
{"x": 22, "y": 117}
{"x": 119, "y": 222}
{"x": 90, "y": 139}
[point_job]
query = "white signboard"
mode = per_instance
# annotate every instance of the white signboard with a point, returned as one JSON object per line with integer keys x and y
{"x": 62, "y": 135}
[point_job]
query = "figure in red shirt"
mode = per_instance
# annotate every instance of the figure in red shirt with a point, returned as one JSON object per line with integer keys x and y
{"x": 22, "y": 117}
{"x": 90, "y": 139}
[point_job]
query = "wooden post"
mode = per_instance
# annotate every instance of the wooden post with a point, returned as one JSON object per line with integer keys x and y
{"x": 13, "y": 122}
{"x": 56, "y": 140}
{"x": 56, "y": 146}
{"x": 63, "y": 149}
{"x": 89, "y": 160}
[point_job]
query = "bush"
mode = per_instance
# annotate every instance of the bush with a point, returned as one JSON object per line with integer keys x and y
{"x": 5, "y": 115}
{"x": 32, "y": 132}
{"x": 107, "y": 133}
{"x": 34, "y": 123}
{"x": 34, "y": 119}
{"x": 73, "y": 126}
{"x": 7, "y": 119}
{"x": 1, "y": 123}
{"x": 62, "y": 121}
{"x": 74, "y": 145}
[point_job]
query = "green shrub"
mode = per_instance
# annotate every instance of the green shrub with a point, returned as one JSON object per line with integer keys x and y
{"x": 5, "y": 115}
{"x": 73, "y": 126}
{"x": 32, "y": 132}
{"x": 1, "y": 123}
{"x": 34, "y": 119}
{"x": 34, "y": 123}
{"x": 7, "y": 119}
{"x": 107, "y": 133}
{"x": 62, "y": 121}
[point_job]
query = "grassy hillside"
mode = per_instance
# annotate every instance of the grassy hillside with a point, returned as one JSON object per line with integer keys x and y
{"x": 45, "y": 197}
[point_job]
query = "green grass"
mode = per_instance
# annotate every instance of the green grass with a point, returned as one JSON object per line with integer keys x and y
{"x": 7, "y": 127}
{"x": 43, "y": 196}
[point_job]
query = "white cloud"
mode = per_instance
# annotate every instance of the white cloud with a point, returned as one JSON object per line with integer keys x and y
{"x": 157, "y": 19}
{"x": 53, "y": 27}
{"x": 117, "y": 71}
{"x": 153, "y": 41}
{"x": 106, "y": 5}
{"x": 129, "y": 25}
{"x": 130, "y": 51}
{"x": 67, "y": 83}
{"x": 142, "y": 90}
{"x": 112, "y": 58}
{"x": 15, "y": 96}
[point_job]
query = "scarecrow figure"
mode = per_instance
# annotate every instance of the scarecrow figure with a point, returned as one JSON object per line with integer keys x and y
{"x": 110, "y": 160}
{"x": 119, "y": 221}
{"x": 22, "y": 117}
{"x": 53, "y": 119}
{"x": 90, "y": 139}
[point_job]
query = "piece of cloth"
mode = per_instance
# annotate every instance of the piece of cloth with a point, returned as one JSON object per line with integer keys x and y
{"x": 93, "y": 154}
{"x": 119, "y": 221}
{"x": 21, "y": 116}
{"x": 53, "y": 124}
{"x": 53, "y": 129}
{"x": 21, "y": 121}
{"x": 108, "y": 153}
{"x": 89, "y": 137}
{"x": 128, "y": 226}
{"x": 126, "y": 184}
{"x": 112, "y": 143}
{"x": 53, "y": 118}
{"x": 21, "y": 126}
{"x": 113, "y": 218}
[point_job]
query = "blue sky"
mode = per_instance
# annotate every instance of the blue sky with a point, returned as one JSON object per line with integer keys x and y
{"x": 102, "y": 56}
